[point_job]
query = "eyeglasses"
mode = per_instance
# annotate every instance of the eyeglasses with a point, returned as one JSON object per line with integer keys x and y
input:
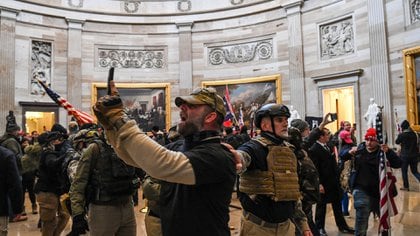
{"x": 210, "y": 92}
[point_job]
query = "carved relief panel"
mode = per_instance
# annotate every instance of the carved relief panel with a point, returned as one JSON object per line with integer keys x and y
{"x": 138, "y": 58}
{"x": 241, "y": 52}
{"x": 41, "y": 59}
{"x": 415, "y": 10}
{"x": 336, "y": 39}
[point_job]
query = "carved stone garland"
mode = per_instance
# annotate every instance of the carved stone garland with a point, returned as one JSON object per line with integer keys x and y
{"x": 241, "y": 53}
{"x": 131, "y": 58}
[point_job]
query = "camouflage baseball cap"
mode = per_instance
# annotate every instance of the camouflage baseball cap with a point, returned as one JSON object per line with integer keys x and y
{"x": 201, "y": 96}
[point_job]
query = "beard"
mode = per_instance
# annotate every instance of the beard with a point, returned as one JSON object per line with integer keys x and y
{"x": 189, "y": 127}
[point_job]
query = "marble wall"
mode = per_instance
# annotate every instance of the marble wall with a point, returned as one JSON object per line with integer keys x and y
{"x": 310, "y": 44}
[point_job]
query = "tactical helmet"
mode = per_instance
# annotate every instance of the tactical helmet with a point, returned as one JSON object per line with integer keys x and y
{"x": 85, "y": 135}
{"x": 271, "y": 110}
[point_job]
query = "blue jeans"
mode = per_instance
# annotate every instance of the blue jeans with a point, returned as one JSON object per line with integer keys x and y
{"x": 345, "y": 203}
{"x": 362, "y": 206}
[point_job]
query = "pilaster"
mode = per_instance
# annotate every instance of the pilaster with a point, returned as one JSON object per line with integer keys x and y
{"x": 296, "y": 72}
{"x": 7, "y": 64}
{"x": 379, "y": 60}
{"x": 185, "y": 56}
{"x": 74, "y": 62}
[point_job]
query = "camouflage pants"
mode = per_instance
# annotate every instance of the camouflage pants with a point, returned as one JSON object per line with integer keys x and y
{"x": 54, "y": 218}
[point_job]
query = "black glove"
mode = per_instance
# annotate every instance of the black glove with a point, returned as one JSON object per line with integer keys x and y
{"x": 79, "y": 226}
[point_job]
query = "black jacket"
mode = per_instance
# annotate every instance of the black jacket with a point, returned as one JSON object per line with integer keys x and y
{"x": 325, "y": 163}
{"x": 366, "y": 165}
{"x": 10, "y": 183}
{"x": 408, "y": 141}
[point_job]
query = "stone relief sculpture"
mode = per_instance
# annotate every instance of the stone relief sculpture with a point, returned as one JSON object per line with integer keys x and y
{"x": 40, "y": 65}
{"x": 337, "y": 39}
{"x": 239, "y": 53}
{"x": 184, "y": 5}
{"x": 75, "y": 3}
{"x": 415, "y": 10}
{"x": 131, "y": 6}
{"x": 131, "y": 58}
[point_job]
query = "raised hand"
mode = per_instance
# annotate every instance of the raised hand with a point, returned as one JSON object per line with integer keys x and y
{"x": 109, "y": 108}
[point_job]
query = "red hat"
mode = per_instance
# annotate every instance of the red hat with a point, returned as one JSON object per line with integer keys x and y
{"x": 371, "y": 134}
{"x": 346, "y": 136}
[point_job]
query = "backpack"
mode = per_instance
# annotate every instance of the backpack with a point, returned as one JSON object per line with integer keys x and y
{"x": 68, "y": 167}
{"x": 308, "y": 178}
{"x": 345, "y": 175}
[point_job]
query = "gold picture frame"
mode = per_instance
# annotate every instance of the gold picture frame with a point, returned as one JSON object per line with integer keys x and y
{"x": 248, "y": 94}
{"x": 147, "y": 103}
{"x": 412, "y": 85}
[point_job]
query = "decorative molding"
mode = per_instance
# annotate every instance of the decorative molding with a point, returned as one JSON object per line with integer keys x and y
{"x": 336, "y": 75}
{"x": 415, "y": 11}
{"x": 337, "y": 38}
{"x": 143, "y": 58}
{"x": 240, "y": 53}
{"x": 131, "y": 6}
{"x": 236, "y": 2}
{"x": 184, "y": 5}
{"x": 78, "y": 5}
{"x": 41, "y": 60}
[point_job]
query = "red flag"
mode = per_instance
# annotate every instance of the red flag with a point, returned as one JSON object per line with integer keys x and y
{"x": 80, "y": 116}
{"x": 386, "y": 186}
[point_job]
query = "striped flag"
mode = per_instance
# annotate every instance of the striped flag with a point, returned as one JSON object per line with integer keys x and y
{"x": 230, "y": 113}
{"x": 386, "y": 182}
{"x": 386, "y": 186}
{"x": 80, "y": 116}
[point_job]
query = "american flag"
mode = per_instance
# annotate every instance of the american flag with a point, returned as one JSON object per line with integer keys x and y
{"x": 80, "y": 116}
{"x": 386, "y": 184}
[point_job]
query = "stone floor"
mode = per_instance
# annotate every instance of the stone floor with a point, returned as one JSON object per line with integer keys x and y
{"x": 406, "y": 223}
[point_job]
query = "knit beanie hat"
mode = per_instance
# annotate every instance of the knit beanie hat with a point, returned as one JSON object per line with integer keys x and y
{"x": 301, "y": 125}
{"x": 371, "y": 134}
{"x": 405, "y": 124}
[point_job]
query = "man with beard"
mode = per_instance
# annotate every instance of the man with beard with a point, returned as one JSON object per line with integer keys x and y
{"x": 199, "y": 179}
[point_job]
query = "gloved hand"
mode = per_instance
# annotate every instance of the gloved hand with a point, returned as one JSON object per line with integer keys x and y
{"x": 79, "y": 226}
{"x": 109, "y": 109}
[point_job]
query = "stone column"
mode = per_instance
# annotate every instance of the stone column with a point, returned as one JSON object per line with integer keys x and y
{"x": 379, "y": 61}
{"x": 185, "y": 57}
{"x": 7, "y": 65}
{"x": 74, "y": 63}
{"x": 296, "y": 72}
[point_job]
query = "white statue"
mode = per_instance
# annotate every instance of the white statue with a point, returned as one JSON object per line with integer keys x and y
{"x": 370, "y": 115}
{"x": 294, "y": 114}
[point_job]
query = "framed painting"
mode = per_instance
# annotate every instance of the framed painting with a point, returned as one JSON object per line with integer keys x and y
{"x": 247, "y": 95}
{"x": 147, "y": 103}
{"x": 412, "y": 85}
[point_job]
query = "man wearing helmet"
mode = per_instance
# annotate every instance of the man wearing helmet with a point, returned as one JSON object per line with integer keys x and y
{"x": 269, "y": 188}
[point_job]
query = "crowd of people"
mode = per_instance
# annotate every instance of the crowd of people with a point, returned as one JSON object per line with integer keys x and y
{"x": 92, "y": 173}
